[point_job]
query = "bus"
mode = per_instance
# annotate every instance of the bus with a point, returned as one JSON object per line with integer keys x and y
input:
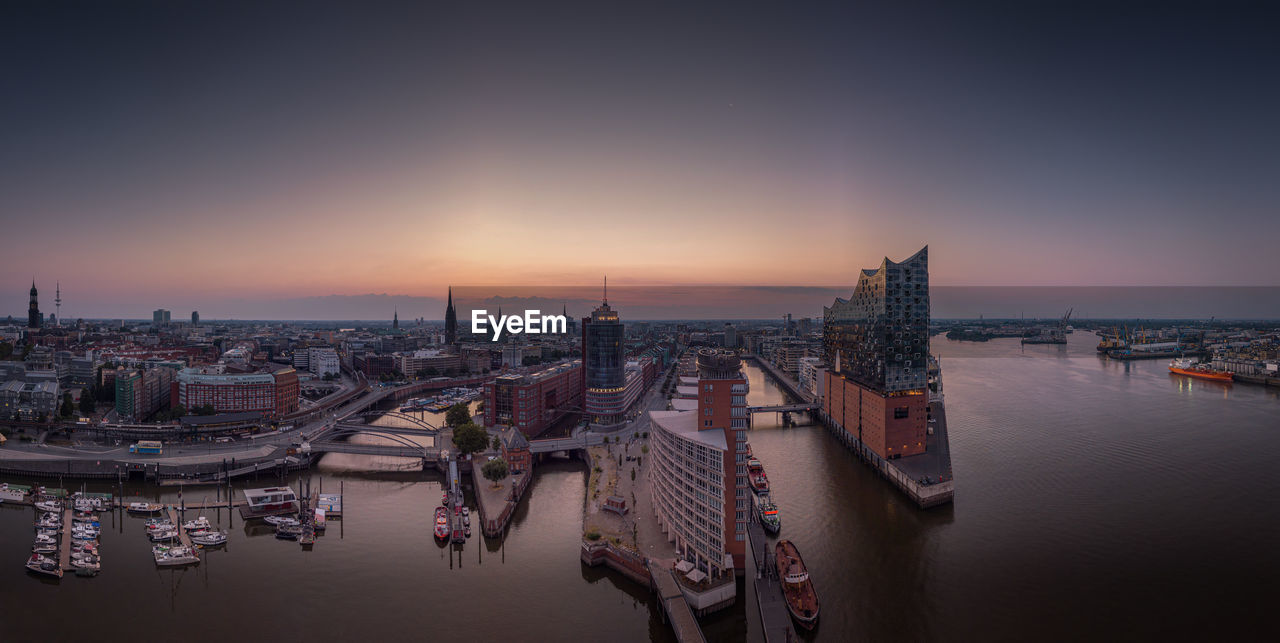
{"x": 149, "y": 447}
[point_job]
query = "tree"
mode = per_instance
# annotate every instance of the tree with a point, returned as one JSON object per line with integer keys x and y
{"x": 494, "y": 471}
{"x": 458, "y": 415}
{"x": 67, "y": 409}
{"x": 426, "y": 372}
{"x": 178, "y": 411}
{"x": 497, "y": 443}
{"x": 87, "y": 405}
{"x": 470, "y": 438}
{"x": 6, "y": 350}
{"x": 205, "y": 409}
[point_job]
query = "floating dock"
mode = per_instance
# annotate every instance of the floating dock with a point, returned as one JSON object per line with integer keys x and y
{"x": 64, "y": 543}
{"x": 182, "y": 533}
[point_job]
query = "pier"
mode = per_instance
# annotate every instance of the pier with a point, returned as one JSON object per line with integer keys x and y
{"x": 64, "y": 542}
{"x": 182, "y": 533}
{"x": 774, "y": 618}
{"x": 674, "y": 608}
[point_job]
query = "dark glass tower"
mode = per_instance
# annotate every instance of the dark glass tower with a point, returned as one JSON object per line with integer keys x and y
{"x": 879, "y": 337}
{"x": 450, "y": 321}
{"x": 604, "y": 349}
{"x": 34, "y": 318}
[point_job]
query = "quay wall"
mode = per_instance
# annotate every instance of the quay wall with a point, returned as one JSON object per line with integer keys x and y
{"x": 925, "y": 496}
{"x": 624, "y": 562}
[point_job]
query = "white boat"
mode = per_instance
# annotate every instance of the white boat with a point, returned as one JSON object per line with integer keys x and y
{"x": 49, "y": 521}
{"x": 44, "y": 565}
{"x": 89, "y": 563}
{"x": 85, "y": 517}
{"x": 281, "y": 521}
{"x": 144, "y": 507}
{"x": 210, "y": 538}
{"x": 271, "y": 500}
{"x": 466, "y": 520}
{"x": 198, "y": 523}
{"x": 175, "y": 556}
{"x": 162, "y": 535}
{"x": 44, "y": 548}
{"x": 49, "y": 505}
{"x": 466, "y": 511}
{"x": 45, "y": 539}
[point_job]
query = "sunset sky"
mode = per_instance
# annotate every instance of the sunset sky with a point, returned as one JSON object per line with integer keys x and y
{"x": 222, "y": 156}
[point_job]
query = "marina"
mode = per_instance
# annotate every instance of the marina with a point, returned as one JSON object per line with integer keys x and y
{"x": 819, "y": 487}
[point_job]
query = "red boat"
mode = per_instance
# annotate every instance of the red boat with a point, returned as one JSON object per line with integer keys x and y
{"x": 442, "y": 523}
{"x": 756, "y": 476}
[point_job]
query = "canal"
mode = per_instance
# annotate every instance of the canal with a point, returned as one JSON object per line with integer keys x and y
{"x": 1094, "y": 500}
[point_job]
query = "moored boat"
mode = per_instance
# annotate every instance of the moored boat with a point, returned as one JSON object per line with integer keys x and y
{"x": 144, "y": 507}
{"x": 797, "y": 587}
{"x": 209, "y": 538}
{"x": 289, "y": 532}
{"x": 174, "y": 556}
{"x": 768, "y": 512}
{"x": 44, "y": 565}
{"x": 1192, "y": 368}
{"x": 756, "y": 476}
{"x": 49, "y": 505}
{"x": 442, "y": 523}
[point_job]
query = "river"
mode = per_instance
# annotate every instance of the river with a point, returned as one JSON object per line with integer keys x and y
{"x": 1094, "y": 500}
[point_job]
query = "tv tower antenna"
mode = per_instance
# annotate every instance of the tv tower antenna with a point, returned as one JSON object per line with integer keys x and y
{"x": 57, "y": 303}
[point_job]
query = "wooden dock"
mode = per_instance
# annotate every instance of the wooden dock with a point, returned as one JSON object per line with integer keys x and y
{"x": 674, "y": 607}
{"x": 64, "y": 543}
{"x": 182, "y": 533}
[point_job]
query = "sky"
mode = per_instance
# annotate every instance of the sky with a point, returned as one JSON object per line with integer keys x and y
{"x": 227, "y": 156}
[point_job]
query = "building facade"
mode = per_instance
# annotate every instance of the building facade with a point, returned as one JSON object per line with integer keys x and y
{"x": 699, "y": 476}
{"x": 532, "y": 403}
{"x": 227, "y": 393}
{"x": 877, "y": 351}
{"x": 604, "y": 357}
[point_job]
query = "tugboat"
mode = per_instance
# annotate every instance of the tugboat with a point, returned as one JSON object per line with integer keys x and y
{"x": 1192, "y": 368}
{"x": 802, "y": 599}
{"x": 755, "y": 472}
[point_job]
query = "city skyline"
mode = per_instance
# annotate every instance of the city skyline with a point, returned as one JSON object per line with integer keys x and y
{"x": 1077, "y": 150}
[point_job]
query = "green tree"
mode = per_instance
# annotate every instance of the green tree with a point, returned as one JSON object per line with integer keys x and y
{"x": 427, "y": 372}
{"x": 68, "y": 409}
{"x": 458, "y": 415}
{"x": 177, "y": 411}
{"x": 205, "y": 409}
{"x": 6, "y": 350}
{"x": 470, "y": 438}
{"x": 497, "y": 443}
{"x": 87, "y": 405}
{"x": 494, "y": 471}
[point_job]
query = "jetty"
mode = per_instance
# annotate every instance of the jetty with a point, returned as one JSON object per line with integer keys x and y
{"x": 64, "y": 542}
{"x": 675, "y": 608}
{"x": 774, "y": 618}
{"x": 183, "y": 537}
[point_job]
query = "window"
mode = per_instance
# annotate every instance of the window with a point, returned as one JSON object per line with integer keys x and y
{"x": 900, "y": 412}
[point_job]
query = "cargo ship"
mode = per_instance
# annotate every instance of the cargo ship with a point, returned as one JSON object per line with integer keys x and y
{"x": 1192, "y": 368}
{"x": 797, "y": 587}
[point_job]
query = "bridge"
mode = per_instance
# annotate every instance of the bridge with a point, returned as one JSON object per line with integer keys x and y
{"x": 784, "y": 408}
{"x": 581, "y": 441}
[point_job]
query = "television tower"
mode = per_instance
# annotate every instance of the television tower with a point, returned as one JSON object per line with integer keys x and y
{"x": 57, "y": 303}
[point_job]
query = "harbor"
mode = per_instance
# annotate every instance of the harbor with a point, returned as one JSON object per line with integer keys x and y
{"x": 383, "y": 545}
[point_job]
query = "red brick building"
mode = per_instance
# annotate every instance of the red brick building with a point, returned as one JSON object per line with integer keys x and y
{"x": 286, "y": 391}
{"x": 533, "y": 402}
{"x": 892, "y": 425}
